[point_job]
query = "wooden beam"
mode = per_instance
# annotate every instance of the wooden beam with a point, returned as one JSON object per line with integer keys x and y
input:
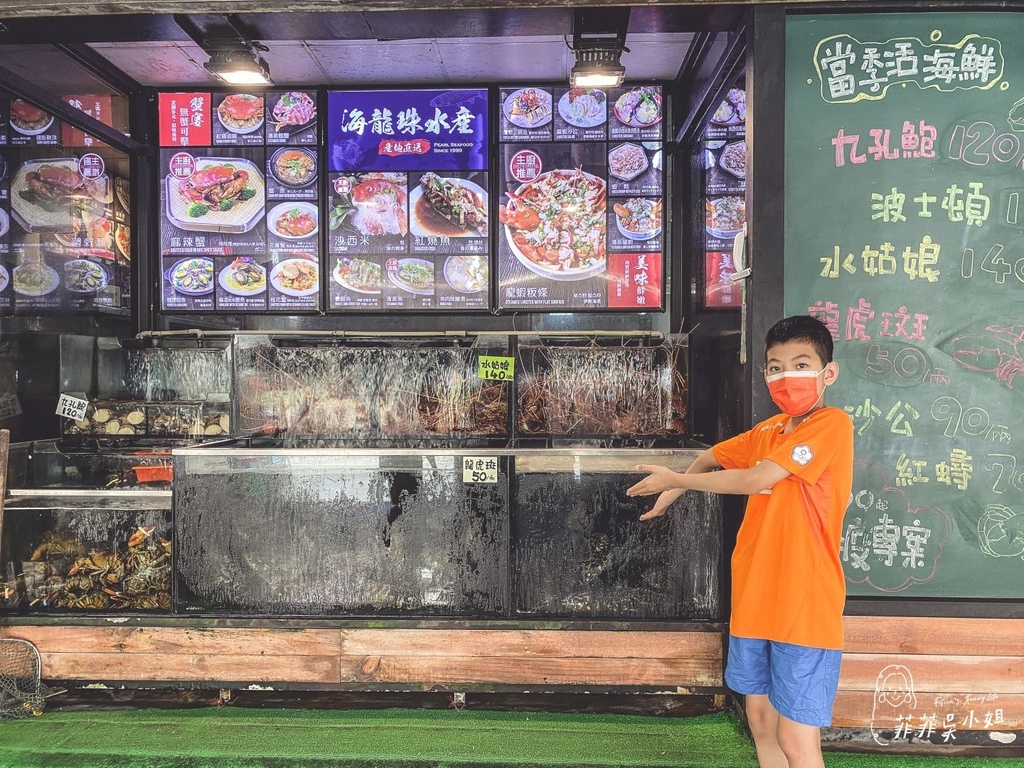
{"x": 934, "y": 635}
{"x": 38, "y": 8}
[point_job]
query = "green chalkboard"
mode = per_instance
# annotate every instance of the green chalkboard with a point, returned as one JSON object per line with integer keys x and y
{"x": 904, "y": 231}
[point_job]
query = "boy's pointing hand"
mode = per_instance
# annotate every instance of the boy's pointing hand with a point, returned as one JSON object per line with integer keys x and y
{"x": 660, "y": 479}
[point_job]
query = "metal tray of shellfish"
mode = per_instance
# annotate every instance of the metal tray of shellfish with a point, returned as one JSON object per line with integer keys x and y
{"x": 128, "y": 419}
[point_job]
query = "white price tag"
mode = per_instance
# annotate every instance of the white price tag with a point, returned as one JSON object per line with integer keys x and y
{"x": 71, "y": 407}
{"x": 480, "y": 469}
{"x": 9, "y": 406}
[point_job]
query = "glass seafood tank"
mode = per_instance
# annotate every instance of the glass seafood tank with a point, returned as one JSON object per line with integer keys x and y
{"x": 53, "y": 464}
{"x": 168, "y": 392}
{"x": 583, "y": 389}
{"x": 290, "y": 532}
{"x": 92, "y": 553}
{"x": 580, "y": 550}
{"x": 369, "y": 394}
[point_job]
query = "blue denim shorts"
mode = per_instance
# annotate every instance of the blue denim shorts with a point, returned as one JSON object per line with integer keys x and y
{"x": 800, "y": 682}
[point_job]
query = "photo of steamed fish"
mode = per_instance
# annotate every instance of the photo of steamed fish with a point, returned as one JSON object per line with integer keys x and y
{"x": 449, "y": 207}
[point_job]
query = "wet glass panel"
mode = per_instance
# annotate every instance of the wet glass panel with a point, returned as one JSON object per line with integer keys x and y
{"x": 579, "y": 550}
{"x": 307, "y": 534}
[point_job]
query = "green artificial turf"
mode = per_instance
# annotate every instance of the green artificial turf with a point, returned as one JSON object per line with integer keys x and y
{"x": 287, "y": 738}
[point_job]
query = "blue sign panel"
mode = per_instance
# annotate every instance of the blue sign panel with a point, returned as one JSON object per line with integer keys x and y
{"x": 427, "y": 130}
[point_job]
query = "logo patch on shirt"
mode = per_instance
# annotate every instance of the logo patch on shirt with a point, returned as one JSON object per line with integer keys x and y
{"x": 802, "y": 455}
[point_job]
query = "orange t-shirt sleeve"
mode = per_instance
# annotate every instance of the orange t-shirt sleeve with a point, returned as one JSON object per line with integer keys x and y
{"x": 733, "y": 453}
{"x": 811, "y": 448}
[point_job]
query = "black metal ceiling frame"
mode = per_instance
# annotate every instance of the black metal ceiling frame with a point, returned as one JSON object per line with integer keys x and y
{"x": 98, "y": 66}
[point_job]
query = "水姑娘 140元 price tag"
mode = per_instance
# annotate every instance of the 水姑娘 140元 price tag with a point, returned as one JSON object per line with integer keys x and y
{"x": 495, "y": 367}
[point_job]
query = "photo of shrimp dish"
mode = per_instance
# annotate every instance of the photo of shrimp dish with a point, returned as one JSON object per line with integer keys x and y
{"x": 558, "y": 220}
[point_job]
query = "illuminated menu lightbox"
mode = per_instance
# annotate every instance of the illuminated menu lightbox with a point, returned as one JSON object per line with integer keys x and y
{"x": 239, "y": 202}
{"x": 408, "y": 208}
{"x": 582, "y": 193}
{"x": 64, "y": 235}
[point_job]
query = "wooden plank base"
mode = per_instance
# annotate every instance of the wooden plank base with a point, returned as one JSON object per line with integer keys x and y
{"x": 376, "y": 659}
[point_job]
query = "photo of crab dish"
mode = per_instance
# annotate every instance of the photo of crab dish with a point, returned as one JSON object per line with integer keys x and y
{"x": 241, "y": 112}
{"x": 556, "y": 225}
{"x": 28, "y": 119}
{"x": 52, "y": 196}
{"x": 222, "y": 195}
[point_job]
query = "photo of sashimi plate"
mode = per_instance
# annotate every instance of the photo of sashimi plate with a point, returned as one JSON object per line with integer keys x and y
{"x": 224, "y": 194}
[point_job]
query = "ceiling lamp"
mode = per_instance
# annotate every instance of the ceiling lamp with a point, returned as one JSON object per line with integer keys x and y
{"x": 597, "y": 67}
{"x": 234, "y": 54}
{"x": 239, "y": 66}
{"x": 598, "y": 40}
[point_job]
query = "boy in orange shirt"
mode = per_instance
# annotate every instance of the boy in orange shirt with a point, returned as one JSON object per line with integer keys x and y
{"x": 788, "y": 590}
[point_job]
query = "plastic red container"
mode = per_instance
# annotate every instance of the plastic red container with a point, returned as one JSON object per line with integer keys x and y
{"x": 159, "y": 474}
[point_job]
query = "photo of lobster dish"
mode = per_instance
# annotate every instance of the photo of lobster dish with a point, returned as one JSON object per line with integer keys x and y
{"x": 223, "y": 195}
{"x": 52, "y": 196}
{"x": 556, "y": 224}
{"x": 448, "y": 207}
{"x": 241, "y": 112}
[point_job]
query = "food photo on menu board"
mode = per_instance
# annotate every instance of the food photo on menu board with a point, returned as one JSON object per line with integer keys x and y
{"x": 239, "y": 119}
{"x": 726, "y": 166}
{"x": 581, "y": 209}
{"x": 292, "y": 174}
{"x": 61, "y": 233}
{"x": 729, "y": 120}
{"x": 553, "y": 235}
{"x": 31, "y": 126}
{"x": 291, "y": 117}
{"x": 213, "y": 204}
{"x": 408, "y": 212}
{"x": 637, "y": 113}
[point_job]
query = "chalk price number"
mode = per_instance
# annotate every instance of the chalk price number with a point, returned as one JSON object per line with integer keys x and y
{"x": 480, "y": 469}
{"x": 496, "y": 368}
{"x": 71, "y": 407}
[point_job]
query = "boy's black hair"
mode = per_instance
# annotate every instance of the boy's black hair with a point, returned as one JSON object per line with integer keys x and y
{"x": 801, "y": 328}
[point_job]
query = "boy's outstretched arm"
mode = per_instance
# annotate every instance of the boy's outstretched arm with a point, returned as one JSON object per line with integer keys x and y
{"x": 671, "y": 485}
